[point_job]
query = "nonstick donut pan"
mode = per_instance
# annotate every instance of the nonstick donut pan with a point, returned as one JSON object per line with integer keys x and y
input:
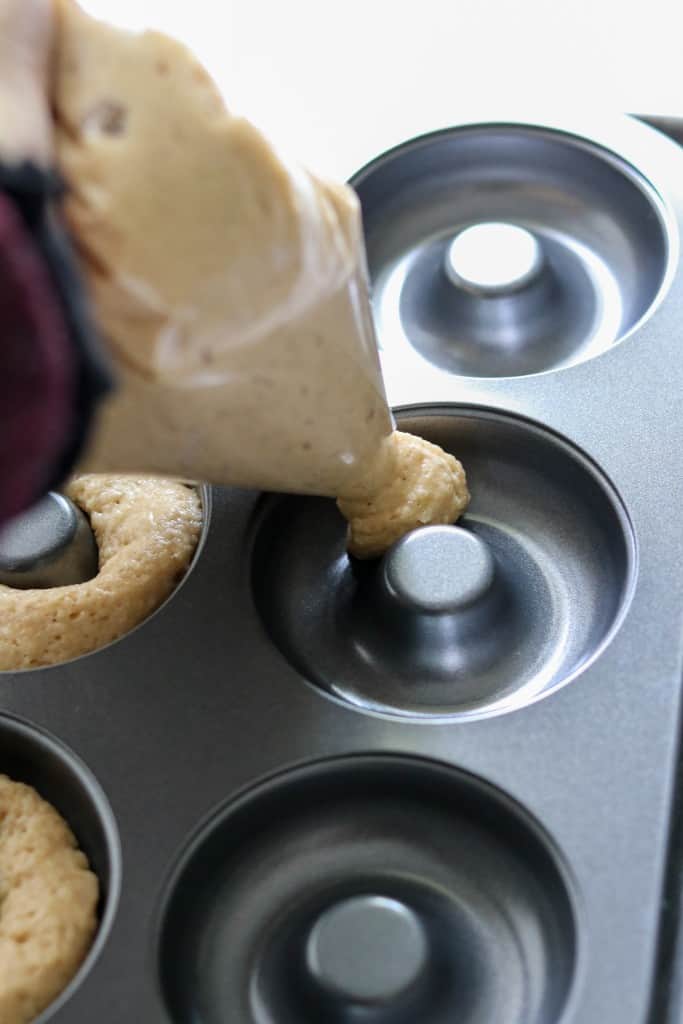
{"x": 441, "y": 788}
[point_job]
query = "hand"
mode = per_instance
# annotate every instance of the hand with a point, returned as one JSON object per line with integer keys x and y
{"x": 25, "y": 43}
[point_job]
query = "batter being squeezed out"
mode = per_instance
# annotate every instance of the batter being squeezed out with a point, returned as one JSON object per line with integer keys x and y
{"x": 231, "y": 286}
{"x": 417, "y": 484}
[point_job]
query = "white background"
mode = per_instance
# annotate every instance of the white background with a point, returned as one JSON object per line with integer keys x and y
{"x": 325, "y": 77}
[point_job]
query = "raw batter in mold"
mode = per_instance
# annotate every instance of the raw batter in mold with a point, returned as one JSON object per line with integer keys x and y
{"x": 48, "y": 901}
{"x": 146, "y": 531}
{"x": 419, "y": 484}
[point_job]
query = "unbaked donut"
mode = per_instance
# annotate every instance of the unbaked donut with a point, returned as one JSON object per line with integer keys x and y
{"x": 48, "y": 903}
{"x": 146, "y": 531}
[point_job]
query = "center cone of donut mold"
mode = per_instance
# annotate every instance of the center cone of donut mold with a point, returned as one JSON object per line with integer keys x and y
{"x": 50, "y": 545}
{"x": 493, "y": 258}
{"x": 367, "y": 950}
{"x": 438, "y": 569}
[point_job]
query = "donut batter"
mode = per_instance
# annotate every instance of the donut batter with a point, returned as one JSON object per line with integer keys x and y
{"x": 146, "y": 531}
{"x": 48, "y": 902}
{"x": 418, "y": 484}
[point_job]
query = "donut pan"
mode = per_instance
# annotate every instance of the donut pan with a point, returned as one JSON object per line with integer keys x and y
{"x": 441, "y": 788}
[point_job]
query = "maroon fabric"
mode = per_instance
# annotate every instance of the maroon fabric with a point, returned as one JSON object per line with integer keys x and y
{"x": 37, "y": 370}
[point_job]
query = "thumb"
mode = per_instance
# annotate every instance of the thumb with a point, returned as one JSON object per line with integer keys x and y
{"x": 25, "y": 43}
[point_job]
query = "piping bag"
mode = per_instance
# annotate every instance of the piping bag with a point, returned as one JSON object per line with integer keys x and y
{"x": 230, "y": 284}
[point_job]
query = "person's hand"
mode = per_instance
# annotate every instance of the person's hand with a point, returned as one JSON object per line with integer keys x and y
{"x": 25, "y": 43}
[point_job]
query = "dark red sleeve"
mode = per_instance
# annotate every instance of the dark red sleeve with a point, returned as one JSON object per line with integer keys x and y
{"x": 37, "y": 368}
{"x": 53, "y": 371}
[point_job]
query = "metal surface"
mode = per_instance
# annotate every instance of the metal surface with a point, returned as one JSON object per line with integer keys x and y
{"x": 671, "y": 126}
{"x": 198, "y": 706}
{"x": 367, "y": 951}
{"x": 579, "y": 260}
{"x": 438, "y": 569}
{"x": 50, "y": 545}
{"x": 299, "y": 863}
{"x": 564, "y": 555}
{"x": 492, "y": 259}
